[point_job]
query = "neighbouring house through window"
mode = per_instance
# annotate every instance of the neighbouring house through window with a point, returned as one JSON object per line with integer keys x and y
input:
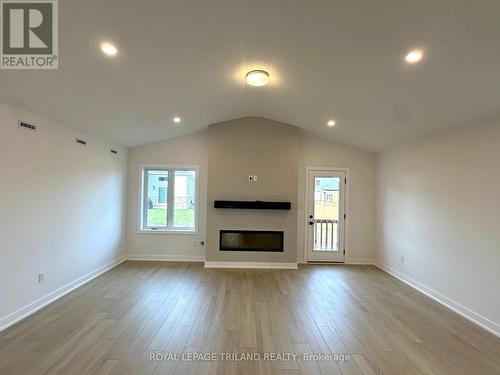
{"x": 168, "y": 199}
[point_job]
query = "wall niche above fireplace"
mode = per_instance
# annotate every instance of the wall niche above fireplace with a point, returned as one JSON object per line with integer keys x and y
{"x": 251, "y": 240}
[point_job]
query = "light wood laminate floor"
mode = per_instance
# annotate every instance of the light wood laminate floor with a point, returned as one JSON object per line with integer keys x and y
{"x": 112, "y": 324}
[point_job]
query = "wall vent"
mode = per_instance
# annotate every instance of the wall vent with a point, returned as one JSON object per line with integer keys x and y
{"x": 80, "y": 141}
{"x": 25, "y": 125}
{"x": 114, "y": 152}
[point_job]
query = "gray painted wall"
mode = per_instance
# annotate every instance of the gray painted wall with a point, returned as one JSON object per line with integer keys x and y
{"x": 249, "y": 146}
{"x": 321, "y": 152}
{"x": 61, "y": 210}
{"x": 252, "y": 146}
{"x": 191, "y": 149}
{"x": 438, "y": 206}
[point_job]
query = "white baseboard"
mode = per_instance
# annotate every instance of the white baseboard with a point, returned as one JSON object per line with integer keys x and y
{"x": 31, "y": 308}
{"x": 40, "y": 303}
{"x": 461, "y": 310}
{"x": 267, "y": 265}
{"x": 353, "y": 261}
{"x": 360, "y": 261}
{"x": 166, "y": 258}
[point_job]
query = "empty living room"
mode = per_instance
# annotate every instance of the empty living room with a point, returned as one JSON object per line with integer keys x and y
{"x": 249, "y": 187}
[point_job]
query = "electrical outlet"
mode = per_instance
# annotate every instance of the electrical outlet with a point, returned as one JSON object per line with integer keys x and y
{"x": 255, "y": 179}
{"x": 250, "y": 178}
{"x": 402, "y": 258}
{"x": 41, "y": 277}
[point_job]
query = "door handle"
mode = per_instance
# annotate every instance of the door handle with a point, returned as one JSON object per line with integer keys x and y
{"x": 311, "y": 223}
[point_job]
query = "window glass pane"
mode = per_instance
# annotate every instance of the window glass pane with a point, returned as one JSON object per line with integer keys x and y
{"x": 157, "y": 193}
{"x": 326, "y": 213}
{"x": 184, "y": 199}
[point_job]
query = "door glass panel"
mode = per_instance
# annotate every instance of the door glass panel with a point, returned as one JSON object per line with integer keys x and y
{"x": 326, "y": 213}
{"x": 184, "y": 199}
{"x": 157, "y": 181}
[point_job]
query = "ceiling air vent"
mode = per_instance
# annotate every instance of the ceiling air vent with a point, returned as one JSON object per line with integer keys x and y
{"x": 25, "y": 125}
{"x": 80, "y": 141}
{"x": 114, "y": 152}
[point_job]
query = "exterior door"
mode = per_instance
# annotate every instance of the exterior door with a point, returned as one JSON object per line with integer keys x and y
{"x": 326, "y": 215}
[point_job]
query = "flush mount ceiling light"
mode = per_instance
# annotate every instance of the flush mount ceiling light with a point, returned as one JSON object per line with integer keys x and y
{"x": 177, "y": 120}
{"x": 414, "y": 56}
{"x": 257, "y": 78}
{"x": 331, "y": 123}
{"x": 109, "y": 49}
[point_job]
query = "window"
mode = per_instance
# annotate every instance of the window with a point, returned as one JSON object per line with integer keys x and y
{"x": 168, "y": 199}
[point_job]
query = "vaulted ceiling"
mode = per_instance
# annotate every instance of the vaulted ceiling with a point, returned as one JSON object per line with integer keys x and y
{"x": 329, "y": 59}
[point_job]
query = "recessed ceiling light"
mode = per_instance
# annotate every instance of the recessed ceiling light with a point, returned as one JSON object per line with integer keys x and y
{"x": 414, "y": 56}
{"x": 177, "y": 119}
{"x": 109, "y": 48}
{"x": 257, "y": 78}
{"x": 331, "y": 123}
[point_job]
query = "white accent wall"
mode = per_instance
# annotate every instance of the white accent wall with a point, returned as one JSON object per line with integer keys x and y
{"x": 61, "y": 211}
{"x": 439, "y": 208}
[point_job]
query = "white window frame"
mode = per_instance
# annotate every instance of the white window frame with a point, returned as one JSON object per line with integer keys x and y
{"x": 141, "y": 228}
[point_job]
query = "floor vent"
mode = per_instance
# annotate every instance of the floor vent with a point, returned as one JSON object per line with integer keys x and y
{"x": 25, "y": 125}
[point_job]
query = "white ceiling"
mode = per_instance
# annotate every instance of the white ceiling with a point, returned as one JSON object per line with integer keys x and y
{"x": 327, "y": 59}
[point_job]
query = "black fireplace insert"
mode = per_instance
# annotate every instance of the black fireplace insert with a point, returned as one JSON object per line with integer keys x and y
{"x": 251, "y": 240}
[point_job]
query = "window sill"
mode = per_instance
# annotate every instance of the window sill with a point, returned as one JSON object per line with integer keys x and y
{"x": 168, "y": 231}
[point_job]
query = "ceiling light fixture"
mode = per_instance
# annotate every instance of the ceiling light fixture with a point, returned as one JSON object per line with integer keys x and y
{"x": 331, "y": 123}
{"x": 257, "y": 78}
{"x": 109, "y": 48}
{"x": 177, "y": 119}
{"x": 414, "y": 56}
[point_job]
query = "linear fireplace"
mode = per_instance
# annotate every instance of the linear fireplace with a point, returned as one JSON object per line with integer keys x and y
{"x": 251, "y": 240}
